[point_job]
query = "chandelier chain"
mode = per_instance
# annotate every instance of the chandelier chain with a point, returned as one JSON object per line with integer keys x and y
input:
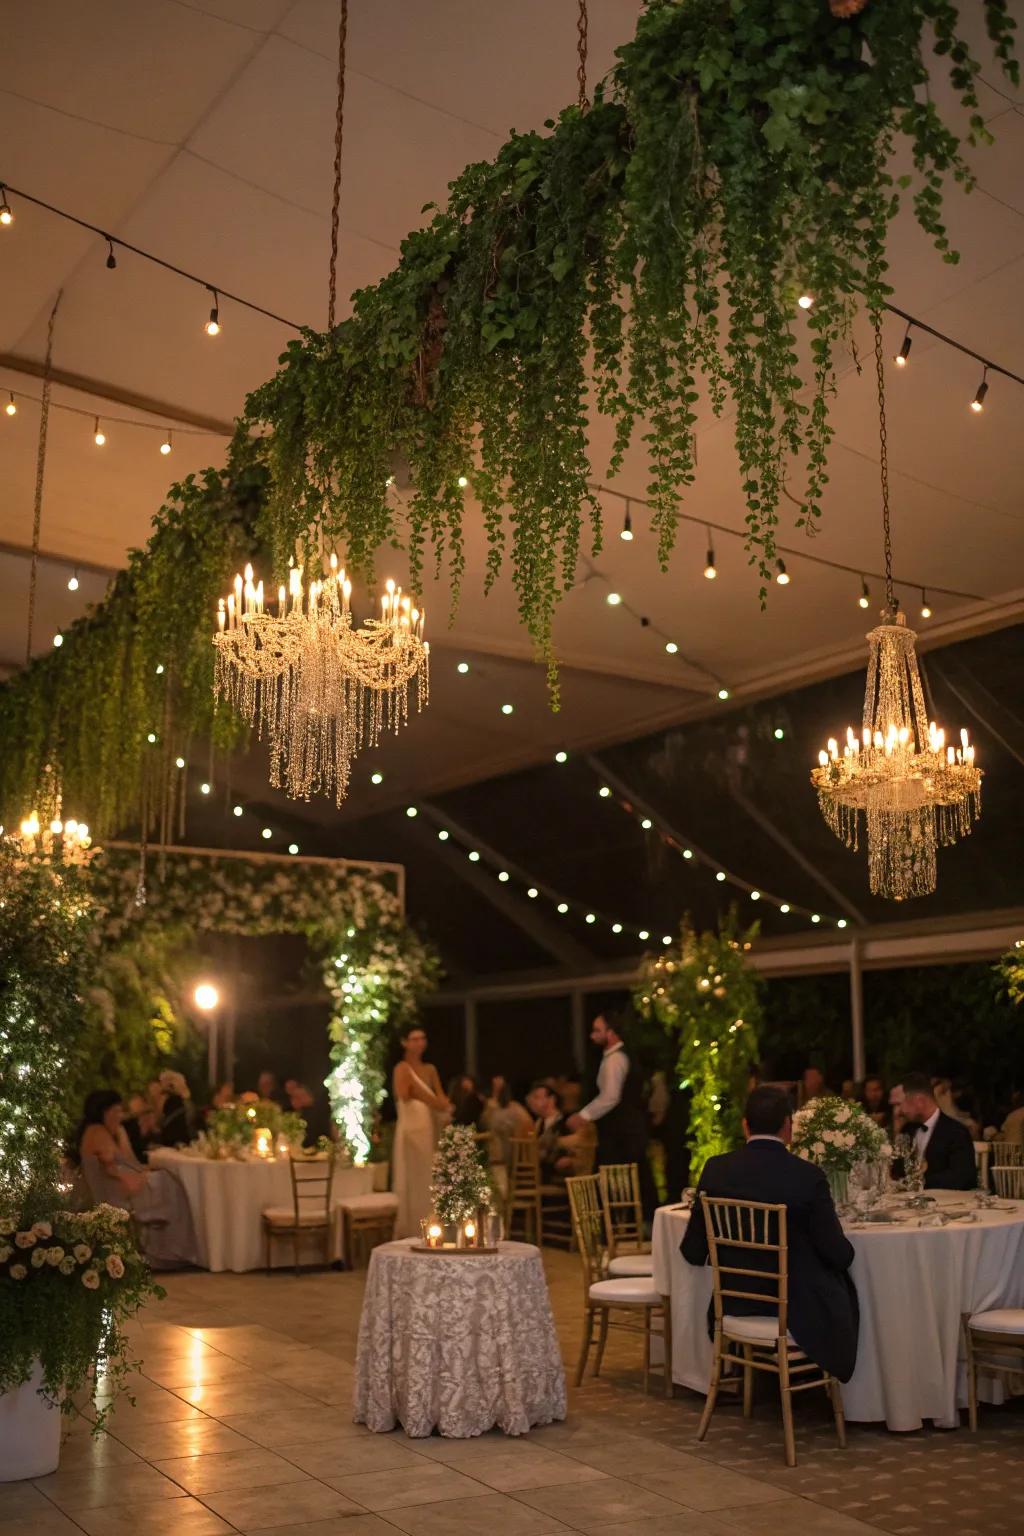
{"x": 339, "y": 132}
{"x": 883, "y": 466}
{"x": 37, "y": 509}
{"x": 581, "y": 48}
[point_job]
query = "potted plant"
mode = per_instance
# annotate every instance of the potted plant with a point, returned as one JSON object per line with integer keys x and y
{"x": 68, "y": 1281}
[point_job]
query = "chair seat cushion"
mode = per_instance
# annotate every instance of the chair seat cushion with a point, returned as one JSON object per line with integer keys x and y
{"x": 753, "y": 1330}
{"x": 630, "y": 1264}
{"x": 625, "y": 1292}
{"x": 379, "y": 1203}
{"x": 284, "y": 1216}
{"x": 1001, "y": 1320}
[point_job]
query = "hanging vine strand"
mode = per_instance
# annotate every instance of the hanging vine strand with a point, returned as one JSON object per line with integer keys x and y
{"x": 339, "y": 135}
{"x": 582, "y": 24}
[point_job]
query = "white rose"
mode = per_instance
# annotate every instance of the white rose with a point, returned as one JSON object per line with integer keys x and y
{"x": 842, "y": 1115}
{"x": 54, "y": 1256}
{"x": 42, "y": 1229}
{"x": 82, "y": 1252}
{"x": 24, "y": 1239}
{"x": 38, "y": 1258}
{"x": 18, "y": 1271}
{"x": 67, "y": 1264}
{"x": 5, "y": 1253}
{"x": 819, "y": 1148}
{"x": 91, "y": 1280}
{"x": 115, "y": 1266}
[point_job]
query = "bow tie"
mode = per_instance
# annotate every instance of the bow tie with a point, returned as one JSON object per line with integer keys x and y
{"x": 911, "y": 1127}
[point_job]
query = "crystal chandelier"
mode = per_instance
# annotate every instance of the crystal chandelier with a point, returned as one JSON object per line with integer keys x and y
{"x": 315, "y": 687}
{"x": 915, "y": 791}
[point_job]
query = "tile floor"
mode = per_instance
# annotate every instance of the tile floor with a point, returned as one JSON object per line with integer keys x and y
{"x": 241, "y": 1422}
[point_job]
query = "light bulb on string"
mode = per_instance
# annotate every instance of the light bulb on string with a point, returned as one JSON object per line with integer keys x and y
{"x": 168, "y": 443}
{"x": 613, "y": 599}
{"x": 213, "y": 324}
{"x": 864, "y": 600}
{"x": 904, "y": 352}
{"x": 99, "y": 437}
{"x": 978, "y": 403}
{"x": 627, "y": 526}
{"x": 926, "y": 611}
{"x": 111, "y": 258}
{"x": 73, "y": 581}
{"x": 723, "y": 694}
{"x": 463, "y": 482}
{"x": 12, "y": 405}
{"x": 805, "y": 300}
{"x": 710, "y": 569}
{"x": 781, "y": 574}
{"x": 671, "y": 647}
{"x": 6, "y": 214}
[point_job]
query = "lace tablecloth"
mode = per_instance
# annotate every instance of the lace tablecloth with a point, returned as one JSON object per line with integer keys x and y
{"x": 913, "y": 1284}
{"x": 457, "y": 1344}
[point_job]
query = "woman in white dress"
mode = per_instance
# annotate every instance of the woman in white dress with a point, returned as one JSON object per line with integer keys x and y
{"x": 421, "y": 1102}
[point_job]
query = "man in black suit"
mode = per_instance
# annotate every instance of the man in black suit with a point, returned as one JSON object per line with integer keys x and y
{"x": 944, "y": 1144}
{"x": 823, "y": 1311}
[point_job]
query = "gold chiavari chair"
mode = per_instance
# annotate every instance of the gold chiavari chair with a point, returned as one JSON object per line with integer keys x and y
{"x": 523, "y": 1197}
{"x": 604, "y": 1298}
{"x": 747, "y": 1244}
{"x": 1008, "y": 1180}
{"x": 629, "y": 1253}
{"x": 309, "y": 1214}
{"x": 995, "y": 1342}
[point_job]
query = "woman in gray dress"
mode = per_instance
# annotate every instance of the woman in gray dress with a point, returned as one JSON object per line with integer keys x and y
{"x": 154, "y": 1197}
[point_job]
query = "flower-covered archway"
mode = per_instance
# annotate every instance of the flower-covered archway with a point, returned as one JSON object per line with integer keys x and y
{"x": 375, "y": 968}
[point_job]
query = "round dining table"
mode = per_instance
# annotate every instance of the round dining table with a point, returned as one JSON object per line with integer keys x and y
{"x": 458, "y": 1342}
{"x": 227, "y": 1198}
{"x": 914, "y": 1284}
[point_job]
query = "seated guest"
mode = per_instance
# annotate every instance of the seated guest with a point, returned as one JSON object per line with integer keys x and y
{"x": 946, "y": 1146}
{"x": 467, "y": 1105}
{"x": 268, "y": 1090}
{"x": 549, "y": 1125}
{"x": 153, "y": 1195}
{"x": 823, "y": 1310}
{"x": 316, "y": 1112}
{"x": 848, "y": 1090}
{"x": 1013, "y": 1126}
{"x": 569, "y": 1087}
{"x": 176, "y": 1129}
{"x": 955, "y": 1103}
{"x": 874, "y": 1100}
{"x": 141, "y": 1127}
{"x": 504, "y": 1117}
{"x": 812, "y": 1084}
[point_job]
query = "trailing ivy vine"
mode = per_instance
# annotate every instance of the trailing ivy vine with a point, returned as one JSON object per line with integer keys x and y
{"x": 634, "y": 259}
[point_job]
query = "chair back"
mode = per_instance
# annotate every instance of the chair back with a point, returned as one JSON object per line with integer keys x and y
{"x": 623, "y": 1210}
{"x": 584, "y": 1191}
{"x": 749, "y": 1254}
{"x": 523, "y": 1169}
{"x": 1009, "y": 1180}
{"x": 1007, "y": 1154}
{"x": 312, "y": 1182}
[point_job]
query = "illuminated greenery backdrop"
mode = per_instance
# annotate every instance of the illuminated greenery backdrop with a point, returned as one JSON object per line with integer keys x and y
{"x": 737, "y": 154}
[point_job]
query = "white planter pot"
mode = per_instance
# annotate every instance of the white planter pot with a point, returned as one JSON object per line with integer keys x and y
{"x": 29, "y": 1432}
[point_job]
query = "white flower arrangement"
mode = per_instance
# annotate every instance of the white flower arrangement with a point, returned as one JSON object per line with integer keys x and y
{"x": 460, "y": 1186}
{"x": 835, "y": 1134}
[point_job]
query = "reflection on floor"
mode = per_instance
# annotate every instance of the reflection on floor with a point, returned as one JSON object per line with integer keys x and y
{"x": 242, "y": 1422}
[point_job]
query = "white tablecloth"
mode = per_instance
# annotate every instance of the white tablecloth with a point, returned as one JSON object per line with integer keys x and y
{"x": 913, "y": 1282}
{"x": 227, "y": 1199}
{"x": 457, "y": 1344}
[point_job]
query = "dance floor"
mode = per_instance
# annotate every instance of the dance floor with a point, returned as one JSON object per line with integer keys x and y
{"x": 242, "y": 1422}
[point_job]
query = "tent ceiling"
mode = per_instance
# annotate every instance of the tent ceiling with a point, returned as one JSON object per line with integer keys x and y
{"x": 202, "y": 130}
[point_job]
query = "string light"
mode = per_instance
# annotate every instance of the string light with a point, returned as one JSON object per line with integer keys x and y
{"x": 778, "y": 733}
{"x": 710, "y": 570}
{"x": 563, "y": 907}
{"x": 604, "y": 791}
{"x": 904, "y": 352}
{"x": 213, "y": 324}
{"x": 784, "y": 907}
{"x": 238, "y": 810}
{"x": 267, "y": 834}
{"x": 926, "y": 611}
{"x": 204, "y": 789}
{"x": 58, "y": 641}
{"x": 463, "y": 667}
{"x": 841, "y": 923}
{"x": 781, "y": 574}
{"x": 503, "y": 876}
{"x": 99, "y": 437}
{"x": 508, "y": 709}
{"x": 411, "y": 811}
{"x": 978, "y": 403}
{"x": 532, "y": 892}
{"x": 73, "y": 582}
{"x": 561, "y": 757}
{"x": 168, "y": 443}
{"x": 473, "y": 856}
{"x": 6, "y": 215}
{"x": 463, "y": 482}
{"x": 376, "y": 778}
{"x": 671, "y": 647}
{"x": 647, "y": 823}
{"x": 293, "y": 847}
{"x": 643, "y": 935}
{"x": 591, "y": 917}
{"x": 111, "y": 258}
{"x": 613, "y": 599}
{"x": 815, "y": 917}
{"x": 442, "y": 836}
{"x": 12, "y": 405}
{"x": 805, "y": 301}
{"x": 720, "y": 875}
{"x": 723, "y": 694}
{"x": 864, "y": 601}
{"x": 755, "y": 895}
{"x": 179, "y": 762}
{"x": 627, "y": 526}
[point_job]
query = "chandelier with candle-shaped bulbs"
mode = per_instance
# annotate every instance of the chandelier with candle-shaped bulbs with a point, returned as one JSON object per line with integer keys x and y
{"x": 318, "y": 688}
{"x": 916, "y": 792}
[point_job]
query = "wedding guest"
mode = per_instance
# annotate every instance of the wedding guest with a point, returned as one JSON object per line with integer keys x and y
{"x": 812, "y": 1084}
{"x": 824, "y": 1314}
{"x": 945, "y": 1146}
{"x": 504, "y": 1117}
{"x": 467, "y": 1105}
{"x": 176, "y": 1127}
{"x": 155, "y": 1097}
{"x": 314, "y": 1110}
{"x": 874, "y": 1100}
{"x": 268, "y": 1090}
{"x": 955, "y": 1105}
{"x": 1013, "y": 1126}
{"x": 153, "y": 1195}
{"x": 141, "y": 1127}
{"x": 549, "y": 1125}
{"x": 849, "y": 1089}
{"x": 569, "y": 1089}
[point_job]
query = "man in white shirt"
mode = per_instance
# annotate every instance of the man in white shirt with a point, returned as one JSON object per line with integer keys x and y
{"x": 617, "y": 1108}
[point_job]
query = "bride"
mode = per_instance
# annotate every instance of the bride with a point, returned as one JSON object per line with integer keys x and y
{"x": 417, "y": 1091}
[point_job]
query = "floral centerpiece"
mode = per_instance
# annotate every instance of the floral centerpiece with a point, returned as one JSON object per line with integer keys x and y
{"x": 837, "y": 1134}
{"x": 460, "y": 1185}
{"x": 67, "y": 1287}
{"x": 230, "y": 1131}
